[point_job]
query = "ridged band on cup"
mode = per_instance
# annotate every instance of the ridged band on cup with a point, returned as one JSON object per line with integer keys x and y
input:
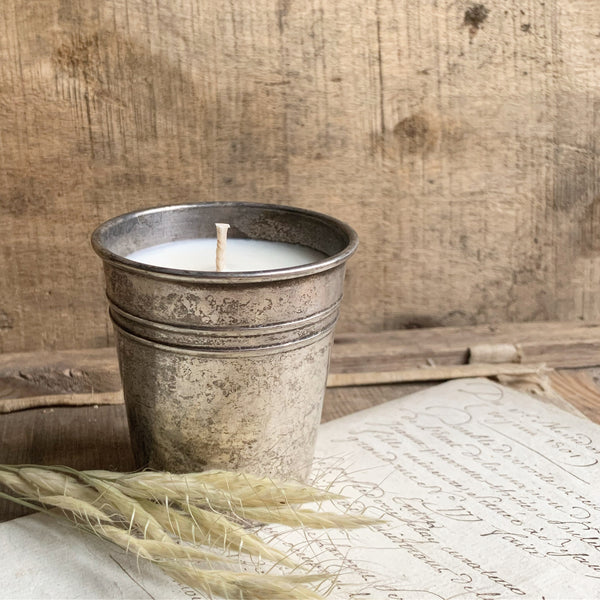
{"x": 228, "y": 352}
{"x": 288, "y": 334}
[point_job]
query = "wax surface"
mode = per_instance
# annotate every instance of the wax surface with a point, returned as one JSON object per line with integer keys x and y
{"x": 241, "y": 255}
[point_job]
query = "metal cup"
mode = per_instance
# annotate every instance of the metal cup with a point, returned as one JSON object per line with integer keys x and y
{"x": 224, "y": 370}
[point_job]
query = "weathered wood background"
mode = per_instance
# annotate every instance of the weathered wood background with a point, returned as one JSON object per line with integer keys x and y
{"x": 460, "y": 139}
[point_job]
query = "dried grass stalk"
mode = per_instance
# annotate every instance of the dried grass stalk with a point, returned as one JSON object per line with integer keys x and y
{"x": 189, "y": 525}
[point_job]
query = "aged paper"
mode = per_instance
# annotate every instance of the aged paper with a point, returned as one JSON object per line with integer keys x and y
{"x": 44, "y": 557}
{"x": 486, "y": 493}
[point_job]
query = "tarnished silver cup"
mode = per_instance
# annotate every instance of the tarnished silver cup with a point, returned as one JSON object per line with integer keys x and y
{"x": 224, "y": 370}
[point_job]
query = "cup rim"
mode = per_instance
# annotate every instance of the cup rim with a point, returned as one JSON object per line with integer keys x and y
{"x": 327, "y": 263}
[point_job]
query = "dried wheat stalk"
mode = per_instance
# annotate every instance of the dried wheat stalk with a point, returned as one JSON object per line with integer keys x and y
{"x": 189, "y": 525}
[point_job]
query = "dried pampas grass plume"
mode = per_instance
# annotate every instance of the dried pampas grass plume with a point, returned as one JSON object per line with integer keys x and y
{"x": 194, "y": 527}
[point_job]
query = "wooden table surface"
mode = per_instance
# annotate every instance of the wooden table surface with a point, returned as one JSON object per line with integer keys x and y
{"x": 96, "y": 436}
{"x": 90, "y": 437}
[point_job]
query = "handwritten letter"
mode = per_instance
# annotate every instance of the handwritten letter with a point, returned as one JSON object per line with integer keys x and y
{"x": 486, "y": 492}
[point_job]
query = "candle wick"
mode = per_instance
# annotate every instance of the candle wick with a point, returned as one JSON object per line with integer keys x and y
{"x": 221, "y": 244}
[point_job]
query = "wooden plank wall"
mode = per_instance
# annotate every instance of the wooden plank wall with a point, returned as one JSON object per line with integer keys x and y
{"x": 460, "y": 139}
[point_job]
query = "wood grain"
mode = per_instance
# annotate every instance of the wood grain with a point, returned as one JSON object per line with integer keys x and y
{"x": 557, "y": 344}
{"x": 29, "y": 379}
{"x": 82, "y": 437}
{"x": 462, "y": 145}
{"x": 8, "y": 405}
{"x": 97, "y": 437}
{"x": 51, "y": 378}
{"x": 432, "y": 373}
{"x": 581, "y": 389}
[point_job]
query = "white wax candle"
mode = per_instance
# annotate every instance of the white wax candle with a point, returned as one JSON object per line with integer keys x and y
{"x": 241, "y": 255}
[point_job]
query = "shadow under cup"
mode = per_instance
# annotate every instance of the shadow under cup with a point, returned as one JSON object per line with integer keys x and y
{"x": 224, "y": 370}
